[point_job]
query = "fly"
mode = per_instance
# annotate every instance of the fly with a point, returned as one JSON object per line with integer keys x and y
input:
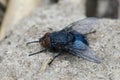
{"x": 71, "y": 39}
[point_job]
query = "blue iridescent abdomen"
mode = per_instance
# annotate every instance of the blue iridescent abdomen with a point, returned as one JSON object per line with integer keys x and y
{"x": 80, "y": 37}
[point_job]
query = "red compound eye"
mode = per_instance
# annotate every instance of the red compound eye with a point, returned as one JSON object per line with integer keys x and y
{"x": 45, "y": 42}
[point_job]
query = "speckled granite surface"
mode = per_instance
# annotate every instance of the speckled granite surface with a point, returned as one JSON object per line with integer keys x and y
{"x": 15, "y": 64}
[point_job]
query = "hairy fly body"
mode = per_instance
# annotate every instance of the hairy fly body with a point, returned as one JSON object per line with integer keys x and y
{"x": 71, "y": 40}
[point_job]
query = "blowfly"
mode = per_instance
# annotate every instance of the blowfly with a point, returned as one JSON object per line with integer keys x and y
{"x": 71, "y": 39}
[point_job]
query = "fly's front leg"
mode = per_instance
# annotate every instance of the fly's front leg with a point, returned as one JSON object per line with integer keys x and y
{"x": 38, "y": 52}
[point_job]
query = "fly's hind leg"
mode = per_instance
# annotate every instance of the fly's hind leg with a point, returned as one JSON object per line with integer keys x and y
{"x": 91, "y": 32}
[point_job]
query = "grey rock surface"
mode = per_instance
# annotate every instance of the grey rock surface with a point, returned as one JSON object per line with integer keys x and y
{"x": 15, "y": 64}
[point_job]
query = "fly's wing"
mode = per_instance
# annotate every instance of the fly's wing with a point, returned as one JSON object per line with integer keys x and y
{"x": 83, "y": 26}
{"x": 81, "y": 50}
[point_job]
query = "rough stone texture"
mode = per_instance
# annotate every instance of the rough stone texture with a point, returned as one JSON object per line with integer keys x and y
{"x": 15, "y": 64}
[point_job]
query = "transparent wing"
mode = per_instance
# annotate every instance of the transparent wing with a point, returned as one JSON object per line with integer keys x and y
{"x": 81, "y": 50}
{"x": 83, "y": 26}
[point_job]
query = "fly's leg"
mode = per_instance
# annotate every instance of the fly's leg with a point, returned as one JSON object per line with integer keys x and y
{"x": 32, "y": 42}
{"x": 54, "y": 58}
{"x": 38, "y": 52}
{"x": 90, "y": 33}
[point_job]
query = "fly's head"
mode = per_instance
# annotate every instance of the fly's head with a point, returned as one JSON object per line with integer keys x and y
{"x": 45, "y": 40}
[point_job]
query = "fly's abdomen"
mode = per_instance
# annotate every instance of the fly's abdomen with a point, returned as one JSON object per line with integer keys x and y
{"x": 80, "y": 37}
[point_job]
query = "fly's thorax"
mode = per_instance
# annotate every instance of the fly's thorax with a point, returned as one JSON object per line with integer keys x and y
{"x": 45, "y": 40}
